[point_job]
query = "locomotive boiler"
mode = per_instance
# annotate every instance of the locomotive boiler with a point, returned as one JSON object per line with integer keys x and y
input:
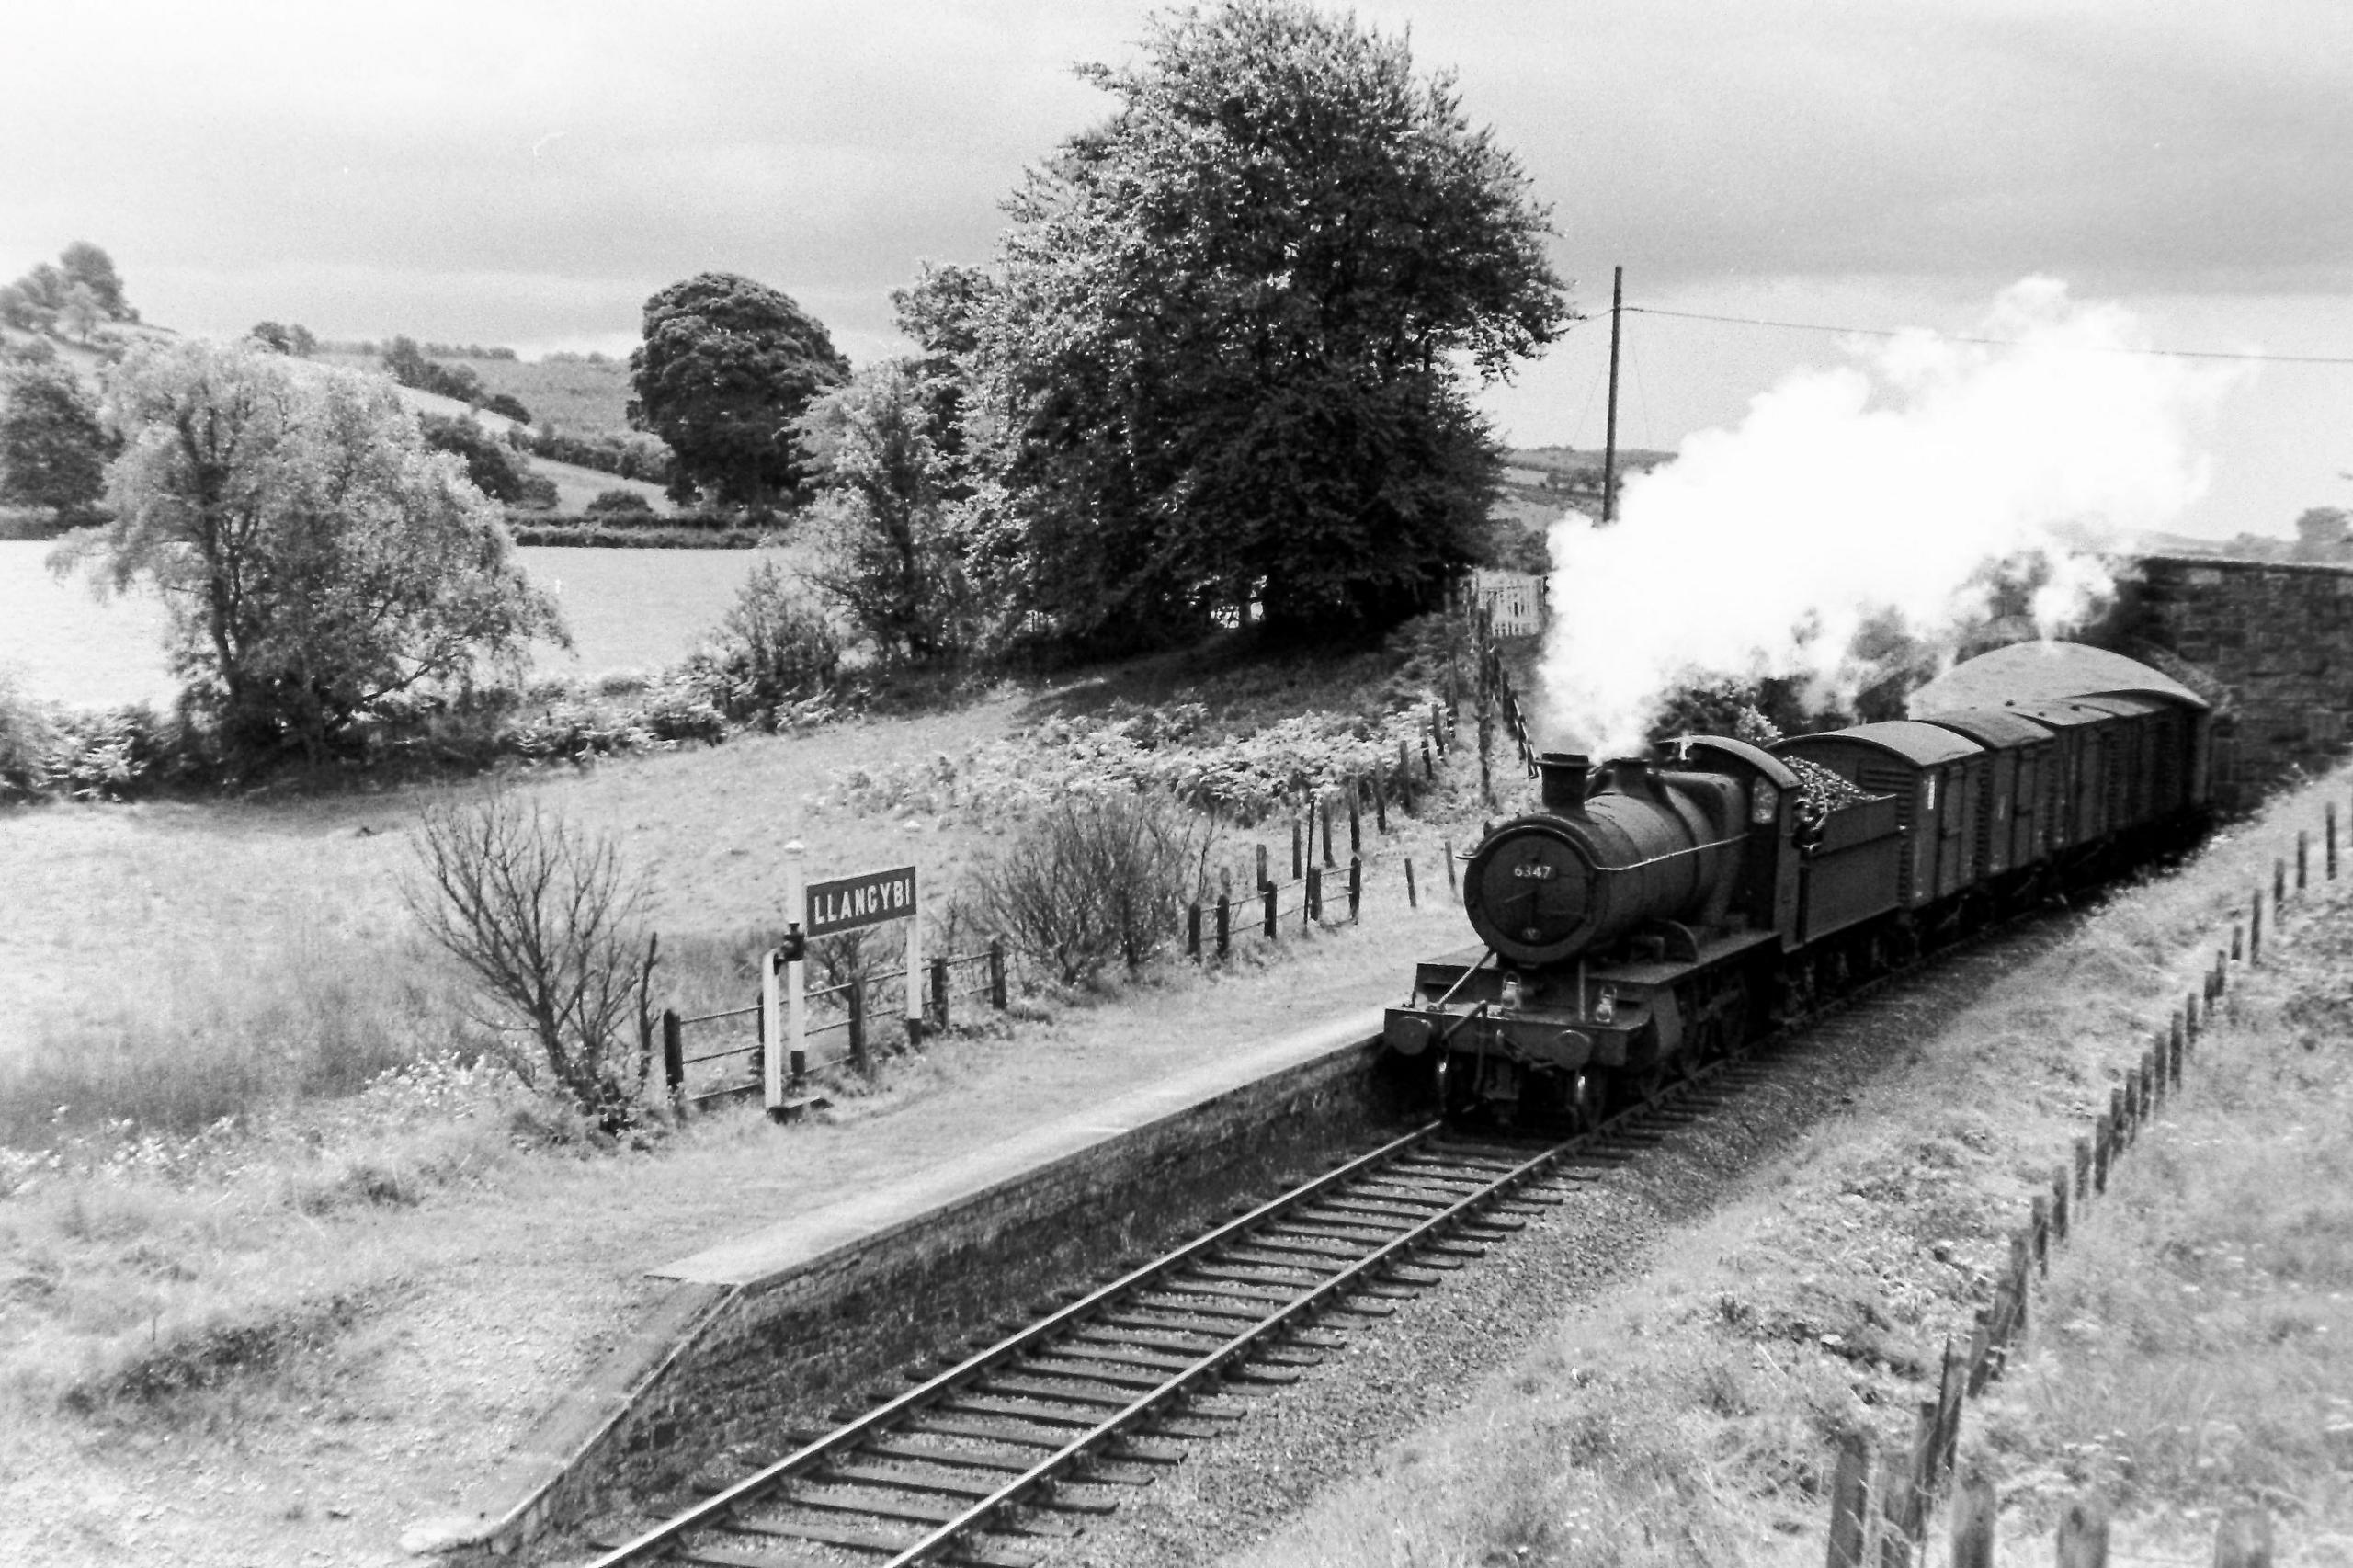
{"x": 1652, "y": 912}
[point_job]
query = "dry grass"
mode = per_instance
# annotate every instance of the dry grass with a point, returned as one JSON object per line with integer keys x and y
{"x": 2196, "y": 1348}
{"x": 1690, "y": 1417}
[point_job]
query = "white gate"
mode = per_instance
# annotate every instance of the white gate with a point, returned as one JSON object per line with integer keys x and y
{"x": 1514, "y": 601}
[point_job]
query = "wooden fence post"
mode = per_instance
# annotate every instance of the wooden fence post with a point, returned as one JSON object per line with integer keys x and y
{"x": 2083, "y": 1534}
{"x": 1972, "y": 1524}
{"x": 2244, "y": 1540}
{"x": 1272, "y": 896}
{"x": 1193, "y": 930}
{"x": 2083, "y": 1169}
{"x": 997, "y": 958}
{"x": 1355, "y": 822}
{"x": 1380, "y": 798}
{"x": 673, "y": 1056}
{"x": 1430, "y": 764}
{"x": 2278, "y": 886}
{"x": 1894, "y": 1491}
{"x": 856, "y": 997}
{"x": 1315, "y": 894}
{"x": 2059, "y": 1202}
{"x": 1412, "y": 900}
{"x": 1260, "y": 880}
{"x": 1224, "y": 924}
{"x": 2255, "y": 931}
{"x": 1849, "y": 1501}
{"x": 1446, "y": 853}
{"x": 2101, "y": 1135}
{"x": 2174, "y": 1038}
{"x": 1295, "y": 857}
{"x": 1356, "y": 887}
{"x": 940, "y": 990}
{"x": 2303, "y": 850}
{"x": 1327, "y": 833}
{"x": 2330, "y": 858}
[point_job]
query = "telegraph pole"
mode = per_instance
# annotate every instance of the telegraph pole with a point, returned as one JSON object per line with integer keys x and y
{"x": 1609, "y": 453}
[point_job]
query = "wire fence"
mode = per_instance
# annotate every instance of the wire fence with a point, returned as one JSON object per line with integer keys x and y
{"x": 1882, "y": 1497}
{"x": 726, "y": 1055}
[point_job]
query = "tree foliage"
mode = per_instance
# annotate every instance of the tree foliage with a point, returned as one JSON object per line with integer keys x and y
{"x": 53, "y": 450}
{"x": 493, "y": 467}
{"x": 726, "y": 366}
{"x": 281, "y": 338}
{"x": 1235, "y": 325}
{"x": 889, "y": 530}
{"x": 79, "y": 291}
{"x": 315, "y": 557}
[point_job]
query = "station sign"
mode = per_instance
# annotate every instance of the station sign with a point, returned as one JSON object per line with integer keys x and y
{"x": 846, "y": 904}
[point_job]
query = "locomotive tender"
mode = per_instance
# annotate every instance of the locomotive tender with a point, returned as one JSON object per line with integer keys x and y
{"x": 1652, "y": 915}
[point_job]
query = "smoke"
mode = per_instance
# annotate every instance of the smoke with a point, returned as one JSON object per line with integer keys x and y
{"x": 1876, "y": 496}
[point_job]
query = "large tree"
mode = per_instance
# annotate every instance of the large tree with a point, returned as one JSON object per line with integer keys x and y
{"x": 726, "y": 366}
{"x": 890, "y": 527}
{"x": 1235, "y": 328}
{"x": 53, "y": 450}
{"x": 315, "y": 557}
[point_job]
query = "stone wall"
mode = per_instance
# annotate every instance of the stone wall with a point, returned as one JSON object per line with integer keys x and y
{"x": 2270, "y": 642}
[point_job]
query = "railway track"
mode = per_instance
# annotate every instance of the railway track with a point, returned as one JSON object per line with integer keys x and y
{"x": 998, "y": 1458}
{"x": 994, "y": 1460}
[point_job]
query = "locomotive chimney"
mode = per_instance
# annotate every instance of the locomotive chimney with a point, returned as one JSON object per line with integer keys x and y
{"x": 1565, "y": 773}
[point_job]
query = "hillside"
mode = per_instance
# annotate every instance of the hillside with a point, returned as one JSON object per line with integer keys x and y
{"x": 579, "y": 397}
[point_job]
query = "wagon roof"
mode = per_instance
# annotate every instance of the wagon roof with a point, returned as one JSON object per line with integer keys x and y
{"x": 2000, "y": 729}
{"x": 1922, "y": 745}
{"x": 2026, "y": 673}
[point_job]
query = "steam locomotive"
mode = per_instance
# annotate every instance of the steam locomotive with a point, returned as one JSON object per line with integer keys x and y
{"x": 1653, "y": 914}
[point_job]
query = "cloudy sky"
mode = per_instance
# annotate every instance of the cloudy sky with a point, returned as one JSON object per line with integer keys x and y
{"x": 529, "y": 172}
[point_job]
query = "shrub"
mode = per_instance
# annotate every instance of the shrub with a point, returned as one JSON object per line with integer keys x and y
{"x": 1094, "y": 878}
{"x": 552, "y": 926}
{"x": 618, "y": 502}
{"x": 775, "y": 648}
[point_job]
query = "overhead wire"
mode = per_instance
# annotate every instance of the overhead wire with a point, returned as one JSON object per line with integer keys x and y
{"x": 2251, "y": 354}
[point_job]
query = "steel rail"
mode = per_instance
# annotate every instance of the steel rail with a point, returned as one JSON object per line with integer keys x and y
{"x": 715, "y": 1509}
{"x": 1207, "y": 1366}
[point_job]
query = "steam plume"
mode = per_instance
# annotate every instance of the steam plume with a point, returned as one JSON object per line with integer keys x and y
{"x": 1885, "y": 487}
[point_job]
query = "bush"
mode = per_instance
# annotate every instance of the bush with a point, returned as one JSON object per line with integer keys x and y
{"x": 775, "y": 648}
{"x": 1094, "y": 878}
{"x": 552, "y": 926}
{"x": 618, "y": 502}
{"x": 494, "y": 469}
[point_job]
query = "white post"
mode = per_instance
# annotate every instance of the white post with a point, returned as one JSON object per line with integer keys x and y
{"x": 788, "y": 1058}
{"x": 771, "y": 1033}
{"x": 914, "y": 946}
{"x": 796, "y": 976}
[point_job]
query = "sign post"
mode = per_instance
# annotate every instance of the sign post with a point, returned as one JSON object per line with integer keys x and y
{"x": 783, "y": 979}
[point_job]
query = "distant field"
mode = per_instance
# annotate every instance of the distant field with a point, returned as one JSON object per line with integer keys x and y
{"x": 628, "y": 609}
